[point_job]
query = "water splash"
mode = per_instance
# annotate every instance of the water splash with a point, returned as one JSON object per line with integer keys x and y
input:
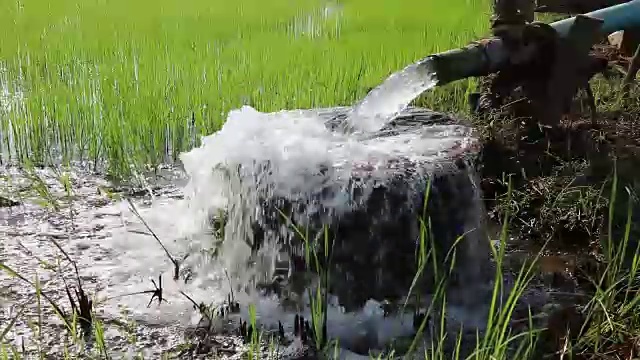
{"x": 116, "y": 255}
{"x": 290, "y": 155}
{"x": 295, "y": 157}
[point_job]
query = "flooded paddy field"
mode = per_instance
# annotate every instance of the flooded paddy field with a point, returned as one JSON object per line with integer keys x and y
{"x": 126, "y": 88}
{"x": 115, "y": 256}
{"x": 107, "y": 229}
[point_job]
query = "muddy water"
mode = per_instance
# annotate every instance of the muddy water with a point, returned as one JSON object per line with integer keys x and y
{"x": 115, "y": 255}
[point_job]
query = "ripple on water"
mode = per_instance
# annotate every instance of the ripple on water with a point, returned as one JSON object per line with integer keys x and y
{"x": 99, "y": 235}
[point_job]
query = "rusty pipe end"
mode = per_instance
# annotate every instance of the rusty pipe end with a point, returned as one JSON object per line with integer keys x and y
{"x": 480, "y": 58}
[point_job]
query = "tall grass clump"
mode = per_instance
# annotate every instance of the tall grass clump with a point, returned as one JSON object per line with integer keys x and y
{"x": 496, "y": 340}
{"x": 607, "y": 324}
{"x": 134, "y": 83}
{"x": 612, "y": 318}
{"x": 433, "y": 339}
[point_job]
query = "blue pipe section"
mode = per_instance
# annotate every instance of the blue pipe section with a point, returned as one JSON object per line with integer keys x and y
{"x": 617, "y": 17}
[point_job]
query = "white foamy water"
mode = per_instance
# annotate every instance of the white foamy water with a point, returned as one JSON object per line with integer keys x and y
{"x": 392, "y": 96}
{"x": 258, "y": 156}
{"x": 279, "y": 155}
{"x": 116, "y": 256}
{"x": 11, "y": 99}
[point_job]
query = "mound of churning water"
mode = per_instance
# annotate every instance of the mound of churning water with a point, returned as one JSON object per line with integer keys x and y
{"x": 362, "y": 172}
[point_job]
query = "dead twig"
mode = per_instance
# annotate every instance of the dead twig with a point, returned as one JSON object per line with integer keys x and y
{"x": 63, "y": 316}
{"x": 629, "y": 79}
{"x": 221, "y": 310}
{"x": 81, "y": 304}
{"x": 155, "y": 293}
{"x": 84, "y": 305}
{"x": 233, "y": 298}
{"x": 200, "y": 307}
{"x": 176, "y": 263}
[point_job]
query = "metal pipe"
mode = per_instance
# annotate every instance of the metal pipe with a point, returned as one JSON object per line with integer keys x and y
{"x": 490, "y": 55}
{"x": 617, "y": 17}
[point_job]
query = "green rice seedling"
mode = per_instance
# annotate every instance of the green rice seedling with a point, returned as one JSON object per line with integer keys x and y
{"x": 65, "y": 350}
{"x": 318, "y": 298}
{"x": 497, "y": 336}
{"x": 58, "y": 310}
{"x": 131, "y": 85}
{"x": 319, "y": 301}
{"x": 255, "y": 338}
{"x": 17, "y": 354}
{"x": 39, "y": 309}
{"x": 422, "y": 253}
{"x": 439, "y": 293}
{"x": 98, "y": 333}
{"x": 435, "y": 350}
{"x": 272, "y": 349}
{"x": 612, "y": 322}
{"x": 73, "y": 332}
{"x": 44, "y": 197}
{"x": 10, "y": 325}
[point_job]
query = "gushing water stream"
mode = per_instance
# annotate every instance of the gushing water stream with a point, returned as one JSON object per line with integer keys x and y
{"x": 392, "y": 96}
